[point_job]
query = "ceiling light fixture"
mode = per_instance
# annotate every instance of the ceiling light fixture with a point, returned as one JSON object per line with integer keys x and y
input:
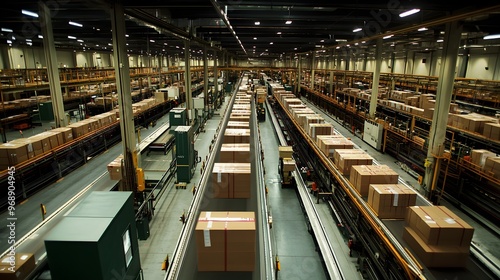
{"x": 152, "y": 41}
{"x": 409, "y": 12}
{"x": 40, "y": 37}
{"x": 29, "y": 13}
{"x": 255, "y": 38}
{"x": 75, "y": 24}
{"x": 288, "y": 22}
{"x": 80, "y": 40}
{"x": 388, "y": 36}
{"x": 257, "y": 23}
{"x": 271, "y": 43}
{"x": 439, "y": 40}
{"x": 9, "y": 42}
{"x": 72, "y": 37}
{"x": 422, "y": 29}
{"x": 7, "y": 30}
{"x": 279, "y": 33}
{"x": 357, "y": 29}
{"x": 491, "y": 37}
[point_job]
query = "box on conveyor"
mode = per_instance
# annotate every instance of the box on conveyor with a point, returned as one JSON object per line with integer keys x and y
{"x": 492, "y": 167}
{"x": 235, "y": 124}
{"x": 362, "y": 176}
{"x": 285, "y": 151}
{"x": 390, "y": 201}
{"x": 79, "y": 129}
{"x": 13, "y": 153}
{"x": 66, "y": 133}
{"x": 434, "y": 233}
{"x": 316, "y": 129}
{"x": 47, "y": 140}
{"x": 301, "y": 119}
{"x": 492, "y": 131}
{"x": 231, "y": 180}
{"x": 238, "y": 118}
{"x": 235, "y": 153}
{"x": 300, "y": 111}
{"x": 288, "y": 102}
{"x": 225, "y": 241}
{"x": 114, "y": 168}
{"x": 309, "y": 119}
{"x": 241, "y": 112}
{"x": 347, "y": 161}
{"x": 236, "y": 135}
{"x": 17, "y": 267}
{"x": 329, "y": 145}
{"x": 242, "y": 107}
{"x": 479, "y": 156}
{"x": 437, "y": 225}
{"x": 340, "y": 152}
{"x": 288, "y": 164}
{"x": 30, "y": 146}
{"x": 55, "y": 137}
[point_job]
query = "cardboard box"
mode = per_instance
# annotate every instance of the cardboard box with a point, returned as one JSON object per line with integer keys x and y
{"x": 340, "y": 152}
{"x": 226, "y": 241}
{"x": 288, "y": 165}
{"x": 436, "y": 256}
{"x": 231, "y": 180}
{"x": 236, "y": 135}
{"x": 479, "y": 156}
{"x": 390, "y": 201}
{"x": 66, "y": 134}
{"x": 437, "y": 225}
{"x": 24, "y": 264}
{"x": 320, "y": 129}
{"x": 44, "y": 141}
{"x": 114, "y": 168}
{"x": 239, "y": 118}
{"x": 52, "y": 137}
{"x": 13, "y": 153}
{"x": 30, "y": 146}
{"x": 492, "y": 167}
{"x": 235, "y": 153}
{"x": 362, "y": 176}
{"x": 328, "y": 146}
{"x": 492, "y": 131}
{"x": 235, "y": 124}
{"x": 285, "y": 151}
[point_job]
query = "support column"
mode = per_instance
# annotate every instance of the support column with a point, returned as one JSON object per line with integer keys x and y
{"x": 444, "y": 94}
{"x": 216, "y": 81}
{"x": 376, "y": 77}
{"x": 393, "y": 61}
{"x": 331, "y": 84}
{"x": 299, "y": 76}
{"x": 52, "y": 67}
{"x": 122, "y": 74}
{"x": 187, "y": 81}
{"x": 313, "y": 67}
{"x": 205, "y": 77}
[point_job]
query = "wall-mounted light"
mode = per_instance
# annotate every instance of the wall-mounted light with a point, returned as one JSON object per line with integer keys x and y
{"x": 409, "y": 12}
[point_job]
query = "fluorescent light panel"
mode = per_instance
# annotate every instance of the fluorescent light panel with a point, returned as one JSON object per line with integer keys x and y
{"x": 423, "y": 29}
{"x": 72, "y": 37}
{"x": 490, "y": 37}
{"x": 357, "y": 30}
{"x": 388, "y": 36}
{"x": 7, "y": 30}
{"x": 75, "y": 24}
{"x": 29, "y": 13}
{"x": 288, "y": 22}
{"x": 257, "y": 23}
{"x": 409, "y": 12}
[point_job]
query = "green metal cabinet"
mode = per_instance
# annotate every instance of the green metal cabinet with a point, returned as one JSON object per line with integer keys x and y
{"x": 185, "y": 154}
{"x": 46, "y": 112}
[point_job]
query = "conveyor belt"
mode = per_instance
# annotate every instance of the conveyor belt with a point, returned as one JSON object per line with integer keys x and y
{"x": 185, "y": 257}
{"x": 381, "y": 227}
{"x": 162, "y": 143}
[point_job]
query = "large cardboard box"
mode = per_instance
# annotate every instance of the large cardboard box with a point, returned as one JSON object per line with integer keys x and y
{"x": 437, "y": 225}
{"x": 492, "y": 167}
{"x": 236, "y": 135}
{"x": 285, "y": 151}
{"x": 30, "y": 146}
{"x": 13, "y": 153}
{"x": 66, "y": 134}
{"x": 231, "y": 180}
{"x": 239, "y": 118}
{"x": 17, "y": 267}
{"x": 436, "y": 256}
{"x": 479, "y": 156}
{"x": 53, "y": 139}
{"x": 226, "y": 241}
{"x": 316, "y": 129}
{"x": 36, "y": 144}
{"x": 346, "y": 159}
{"x": 328, "y": 146}
{"x": 288, "y": 165}
{"x": 309, "y": 119}
{"x": 362, "y": 176}
{"x": 390, "y": 201}
{"x": 235, "y": 124}
{"x": 235, "y": 153}
{"x": 492, "y": 131}
{"x": 340, "y": 152}
{"x": 114, "y": 168}
{"x": 79, "y": 128}
{"x": 44, "y": 141}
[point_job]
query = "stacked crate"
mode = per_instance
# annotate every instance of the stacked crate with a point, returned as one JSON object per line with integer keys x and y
{"x": 390, "y": 201}
{"x": 438, "y": 236}
{"x": 362, "y": 176}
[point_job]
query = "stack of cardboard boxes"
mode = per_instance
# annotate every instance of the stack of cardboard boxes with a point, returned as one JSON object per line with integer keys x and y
{"x": 231, "y": 180}
{"x": 478, "y": 157}
{"x": 236, "y": 135}
{"x": 285, "y": 151}
{"x": 492, "y": 167}
{"x": 23, "y": 266}
{"x": 235, "y": 153}
{"x": 362, "y": 176}
{"x": 316, "y": 129}
{"x": 438, "y": 236}
{"x": 390, "y": 201}
{"x": 328, "y": 145}
{"x": 344, "y": 159}
{"x": 225, "y": 241}
{"x": 492, "y": 131}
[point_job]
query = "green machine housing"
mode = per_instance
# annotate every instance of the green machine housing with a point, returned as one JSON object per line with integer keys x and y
{"x": 177, "y": 117}
{"x": 185, "y": 153}
{"x": 96, "y": 240}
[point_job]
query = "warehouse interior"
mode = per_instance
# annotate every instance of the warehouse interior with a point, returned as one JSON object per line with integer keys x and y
{"x": 326, "y": 140}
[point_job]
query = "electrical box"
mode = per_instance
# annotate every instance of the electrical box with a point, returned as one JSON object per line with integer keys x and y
{"x": 185, "y": 154}
{"x": 46, "y": 112}
{"x": 373, "y": 134}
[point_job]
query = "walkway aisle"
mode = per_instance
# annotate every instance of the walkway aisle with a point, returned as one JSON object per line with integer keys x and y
{"x": 165, "y": 227}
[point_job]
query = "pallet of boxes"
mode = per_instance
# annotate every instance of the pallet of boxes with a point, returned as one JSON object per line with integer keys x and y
{"x": 437, "y": 236}
{"x": 288, "y": 164}
{"x": 226, "y": 240}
